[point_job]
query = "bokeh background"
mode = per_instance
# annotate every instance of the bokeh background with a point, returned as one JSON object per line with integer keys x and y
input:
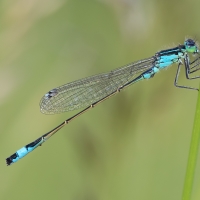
{"x": 134, "y": 145}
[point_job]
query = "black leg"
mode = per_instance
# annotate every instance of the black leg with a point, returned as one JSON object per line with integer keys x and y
{"x": 188, "y": 68}
{"x": 177, "y": 75}
{"x": 196, "y": 63}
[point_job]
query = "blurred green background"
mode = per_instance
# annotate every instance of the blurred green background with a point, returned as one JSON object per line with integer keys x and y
{"x": 133, "y": 146}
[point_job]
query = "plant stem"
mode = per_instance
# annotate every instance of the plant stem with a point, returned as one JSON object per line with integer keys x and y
{"x": 189, "y": 177}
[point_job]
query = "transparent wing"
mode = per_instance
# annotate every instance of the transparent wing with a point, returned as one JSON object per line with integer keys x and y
{"x": 84, "y": 92}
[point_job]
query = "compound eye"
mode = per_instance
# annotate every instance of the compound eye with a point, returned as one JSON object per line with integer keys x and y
{"x": 190, "y": 42}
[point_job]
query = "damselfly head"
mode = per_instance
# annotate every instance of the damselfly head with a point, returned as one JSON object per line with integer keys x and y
{"x": 191, "y": 46}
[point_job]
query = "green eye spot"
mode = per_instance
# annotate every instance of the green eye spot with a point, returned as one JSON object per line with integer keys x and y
{"x": 191, "y": 49}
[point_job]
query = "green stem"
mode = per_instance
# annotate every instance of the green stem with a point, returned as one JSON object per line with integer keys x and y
{"x": 189, "y": 177}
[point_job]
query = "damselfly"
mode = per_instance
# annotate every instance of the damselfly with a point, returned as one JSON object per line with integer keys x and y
{"x": 90, "y": 91}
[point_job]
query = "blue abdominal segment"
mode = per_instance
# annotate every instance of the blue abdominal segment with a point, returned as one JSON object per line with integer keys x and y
{"x": 24, "y": 151}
